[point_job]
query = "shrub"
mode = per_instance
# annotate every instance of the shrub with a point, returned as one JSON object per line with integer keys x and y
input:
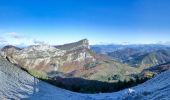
{"x": 38, "y": 74}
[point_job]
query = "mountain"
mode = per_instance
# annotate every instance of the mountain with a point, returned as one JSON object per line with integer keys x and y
{"x": 151, "y": 59}
{"x": 68, "y": 60}
{"x": 77, "y": 60}
{"x": 143, "y": 56}
{"x": 75, "y": 63}
{"x": 104, "y": 49}
{"x": 50, "y": 59}
{"x": 158, "y": 68}
{"x": 18, "y": 84}
{"x": 73, "y": 46}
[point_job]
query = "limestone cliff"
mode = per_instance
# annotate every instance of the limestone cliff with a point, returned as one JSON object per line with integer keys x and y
{"x": 64, "y": 58}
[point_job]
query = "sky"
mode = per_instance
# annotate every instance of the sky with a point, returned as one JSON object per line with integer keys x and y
{"x": 55, "y": 22}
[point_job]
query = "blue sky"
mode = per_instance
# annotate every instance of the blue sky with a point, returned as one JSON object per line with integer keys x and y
{"x": 101, "y": 21}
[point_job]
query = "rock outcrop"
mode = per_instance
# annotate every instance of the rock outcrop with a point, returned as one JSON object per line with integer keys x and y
{"x": 73, "y": 46}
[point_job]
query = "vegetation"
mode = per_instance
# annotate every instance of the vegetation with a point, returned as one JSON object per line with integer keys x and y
{"x": 148, "y": 74}
{"x": 91, "y": 86}
{"x": 38, "y": 74}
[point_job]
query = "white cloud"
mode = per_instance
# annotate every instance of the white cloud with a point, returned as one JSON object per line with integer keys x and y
{"x": 165, "y": 43}
{"x": 16, "y": 39}
{"x": 38, "y": 42}
{"x": 13, "y": 38}
{"x": 15, "y": 35}
{"x": 3, "y": 41}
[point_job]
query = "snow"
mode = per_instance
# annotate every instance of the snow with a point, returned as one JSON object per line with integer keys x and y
{"x": 131, "y": 90}
{"x": 17, "y": 84}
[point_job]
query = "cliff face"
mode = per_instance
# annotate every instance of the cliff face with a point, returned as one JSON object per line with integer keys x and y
{"x": 73, "y": 46}
{"x": 64, "y": 58}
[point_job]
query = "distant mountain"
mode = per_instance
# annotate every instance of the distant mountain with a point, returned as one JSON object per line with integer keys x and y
{"x": 150, "y": 59}
{"x": 10, "y": 46}
{"x": 137, "y": 55}
{"x": 104, "y": 49}
{"x": 159, "y": 68}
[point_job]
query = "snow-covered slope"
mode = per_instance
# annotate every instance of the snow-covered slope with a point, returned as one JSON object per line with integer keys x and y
{"x": 17, "y": 84}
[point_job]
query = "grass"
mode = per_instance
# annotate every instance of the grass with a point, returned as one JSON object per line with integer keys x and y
{"x": 38, "y": 74}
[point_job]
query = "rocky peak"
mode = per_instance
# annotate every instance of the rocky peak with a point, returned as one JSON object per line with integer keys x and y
{"x": 8, "y": 50}
{"x": 73, "y": 46}
{"x": 10, "y": 47}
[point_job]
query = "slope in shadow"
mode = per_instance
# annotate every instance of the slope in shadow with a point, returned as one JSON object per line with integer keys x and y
{"x": 92, "y": 86}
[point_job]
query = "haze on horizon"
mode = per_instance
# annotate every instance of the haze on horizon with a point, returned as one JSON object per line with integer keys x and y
{"x": 101, "y": 21}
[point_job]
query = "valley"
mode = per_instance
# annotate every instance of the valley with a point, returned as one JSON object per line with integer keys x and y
{"x": 69, "y": 65}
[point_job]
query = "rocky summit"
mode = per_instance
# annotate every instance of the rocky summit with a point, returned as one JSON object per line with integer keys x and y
{"x": 50, "y": 59}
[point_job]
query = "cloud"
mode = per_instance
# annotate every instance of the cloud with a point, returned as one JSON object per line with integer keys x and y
{"x": 13, "y": 38}
{"x": 167, "y": 43}
{"x": 163, "y": 42}
{"x": 38, "y": 42}
{"x": 3, "y": 41}
{"x": 15, "y": 35}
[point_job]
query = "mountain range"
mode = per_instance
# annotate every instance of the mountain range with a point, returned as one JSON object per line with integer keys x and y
{"x": 79, "y": 63}
{"x": 73, "y": 60}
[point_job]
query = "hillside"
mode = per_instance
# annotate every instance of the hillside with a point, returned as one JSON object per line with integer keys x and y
{"x": 17, "y": 84}
{"x": 158, "y": 69}
{"x": 142, "y": 56}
